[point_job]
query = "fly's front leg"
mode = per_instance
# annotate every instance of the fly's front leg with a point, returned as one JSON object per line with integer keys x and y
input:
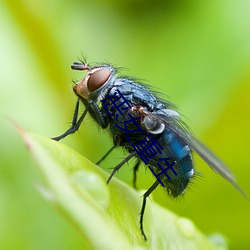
{"x": 97, "y": 114}
{"x": 75, "y": 123}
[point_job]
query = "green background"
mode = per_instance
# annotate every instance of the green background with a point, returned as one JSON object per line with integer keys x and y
{"x": 196, "y": 53}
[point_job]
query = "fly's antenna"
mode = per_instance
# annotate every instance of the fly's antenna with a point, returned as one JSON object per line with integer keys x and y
{"x": 80, "y": 66}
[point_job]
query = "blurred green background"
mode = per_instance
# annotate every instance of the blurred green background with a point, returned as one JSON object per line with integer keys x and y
{"x": 196, "y": 52}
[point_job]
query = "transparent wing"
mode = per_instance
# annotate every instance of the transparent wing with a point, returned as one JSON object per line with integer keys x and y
{"x": 212, "y": 160}
{"x": 175, "y": 124}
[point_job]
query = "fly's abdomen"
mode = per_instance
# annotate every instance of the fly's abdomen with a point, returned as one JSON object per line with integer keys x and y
{"x": 176, "y": 157}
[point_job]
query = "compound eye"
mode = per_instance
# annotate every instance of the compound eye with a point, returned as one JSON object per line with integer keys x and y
{"x": 97, "y": 79}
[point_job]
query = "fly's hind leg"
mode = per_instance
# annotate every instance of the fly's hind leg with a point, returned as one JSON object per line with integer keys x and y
{"x": 135, "y": 169}
{"x": 145, "y": 196}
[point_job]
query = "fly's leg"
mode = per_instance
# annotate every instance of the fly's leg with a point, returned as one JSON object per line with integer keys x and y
{"x": 145, "y": 196}
{"x": 120, "y": 165}
{"x": 97, "y": 114}
{"x": 91, "y": 107}
{"x": 105, "y": 155}
{"x": 75, "y": 124}
{"x": 135, "y": 169}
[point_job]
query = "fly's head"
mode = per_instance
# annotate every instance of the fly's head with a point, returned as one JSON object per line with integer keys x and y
{"x": 96, "y": 79}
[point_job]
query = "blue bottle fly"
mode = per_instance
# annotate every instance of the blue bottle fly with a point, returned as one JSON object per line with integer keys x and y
{"x": 148, "y": 127}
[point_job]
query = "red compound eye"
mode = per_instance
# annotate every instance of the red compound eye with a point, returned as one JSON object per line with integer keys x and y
{"x": 97, "y": 79}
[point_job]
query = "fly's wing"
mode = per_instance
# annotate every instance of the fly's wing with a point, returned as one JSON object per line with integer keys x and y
{"x": 212, "y": 160}
{"x": 174, "y": 123}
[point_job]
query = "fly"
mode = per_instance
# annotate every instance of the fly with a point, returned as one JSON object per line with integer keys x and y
{"x": 144, "y": 115}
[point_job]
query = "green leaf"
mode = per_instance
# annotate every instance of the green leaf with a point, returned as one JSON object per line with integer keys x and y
{"x": 107, "y": 215}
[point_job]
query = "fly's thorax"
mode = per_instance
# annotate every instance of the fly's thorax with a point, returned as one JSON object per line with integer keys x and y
{"x": 153, "y": 123}
{"x": 93, "y": 85}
